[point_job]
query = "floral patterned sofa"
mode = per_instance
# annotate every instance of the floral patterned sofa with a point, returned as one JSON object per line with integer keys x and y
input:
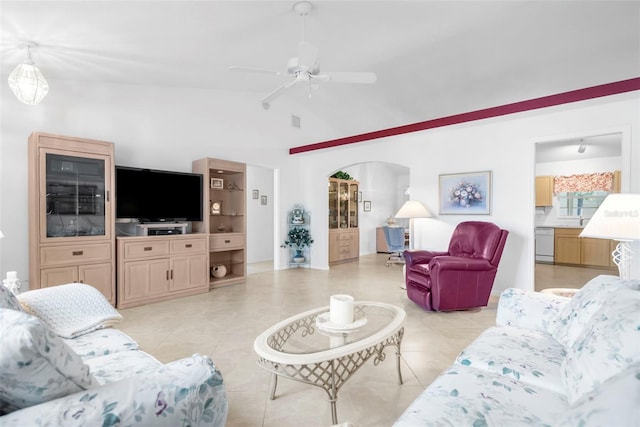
{"x": 62, "y": 364}
{"x": 550, "y": 361}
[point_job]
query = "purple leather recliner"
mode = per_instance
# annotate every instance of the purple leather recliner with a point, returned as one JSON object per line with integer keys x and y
{"x": 462, "y": 277}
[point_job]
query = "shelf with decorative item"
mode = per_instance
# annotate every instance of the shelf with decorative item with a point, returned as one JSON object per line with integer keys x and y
{"x": 299, "y": 237}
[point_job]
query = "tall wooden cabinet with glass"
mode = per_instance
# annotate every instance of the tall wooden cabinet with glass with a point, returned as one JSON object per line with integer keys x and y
{"x": 71, "y": 215}
{"x": 344, "y": 235}
{"x": 224, "y": 219}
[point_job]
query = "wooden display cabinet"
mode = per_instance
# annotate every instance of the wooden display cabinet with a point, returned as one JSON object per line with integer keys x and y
{"x": 71, "y": 212}
{"x": 224, "y": 217}
{"x": 344, "y": 234}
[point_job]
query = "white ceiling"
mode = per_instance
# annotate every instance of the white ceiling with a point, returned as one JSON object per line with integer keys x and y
{"x": 432, "y": 58}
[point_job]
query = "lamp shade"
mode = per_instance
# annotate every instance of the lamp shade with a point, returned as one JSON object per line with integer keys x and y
{"x": 1, "y": 235}
{"x": 28, "y": 84}
{"x": 617, "y": 218}
{"x": 413, "y": 209}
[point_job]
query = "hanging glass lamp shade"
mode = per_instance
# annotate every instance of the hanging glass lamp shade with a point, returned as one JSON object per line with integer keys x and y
{"x": 28, "y": 84}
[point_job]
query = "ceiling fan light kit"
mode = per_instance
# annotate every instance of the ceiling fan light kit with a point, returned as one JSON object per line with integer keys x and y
{"x": 304, "y": 68}
{"x": 27, "y": 82}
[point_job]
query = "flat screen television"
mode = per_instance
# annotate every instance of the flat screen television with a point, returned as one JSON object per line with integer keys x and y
{"x": 156, "y": 195}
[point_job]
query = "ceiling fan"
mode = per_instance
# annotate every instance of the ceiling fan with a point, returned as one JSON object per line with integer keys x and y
{"x": 304, "y": 68}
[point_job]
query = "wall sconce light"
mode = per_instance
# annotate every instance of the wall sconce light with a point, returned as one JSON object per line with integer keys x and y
{"x": 27, "y": 82}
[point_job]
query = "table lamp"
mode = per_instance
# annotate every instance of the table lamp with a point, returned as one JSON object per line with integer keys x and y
{"x": 617, "y": 218}
{"x": 412, "y": 209}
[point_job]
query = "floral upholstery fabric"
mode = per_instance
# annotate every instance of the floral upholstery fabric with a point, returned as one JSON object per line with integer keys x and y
{"x": 464, "y": 396}
{"x": 582, "y": 307}
{"x": 117, "y": 366}
{"x": 8, "y": 299}
{"x": 608, "y": 345}
{"x": 70, "y": 310}
{"x": 529, "y": 310}
{"x": 35, "y": 364}
{"x": 101, "y": 343}
{"x": 615, "y": 403}
{"x": 528, "y": 371}
{"x": 529, "y": 356}
{"x": 187, "y": 392}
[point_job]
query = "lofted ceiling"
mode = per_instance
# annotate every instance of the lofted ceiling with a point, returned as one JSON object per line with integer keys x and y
{"x": 432, "y": 58}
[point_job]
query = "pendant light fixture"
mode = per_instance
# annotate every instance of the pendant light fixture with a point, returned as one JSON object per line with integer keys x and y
{"x": 27, "y": 82}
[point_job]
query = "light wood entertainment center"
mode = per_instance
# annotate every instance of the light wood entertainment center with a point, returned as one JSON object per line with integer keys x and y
{"x": 72, "y": 233}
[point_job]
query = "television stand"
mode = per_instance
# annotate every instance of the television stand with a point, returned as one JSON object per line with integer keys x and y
{"x": 161, "y": 228}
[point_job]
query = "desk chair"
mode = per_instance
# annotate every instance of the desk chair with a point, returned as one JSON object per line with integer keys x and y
{"x": 395, "y": 242}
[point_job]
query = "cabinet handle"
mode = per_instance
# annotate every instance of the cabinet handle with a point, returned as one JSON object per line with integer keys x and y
{"x": 188, "y": 245}
{"x": 75, "y": 253}
{"x": 148, "y": 248}
{"x": 167, "y": 274}
{"x": 107, "y": 195}
{"x": 171, "y": 274}
{"x": 227, "y": 241}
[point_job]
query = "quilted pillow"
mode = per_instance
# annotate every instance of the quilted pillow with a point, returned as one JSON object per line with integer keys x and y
{"x": 610, "y": 345}
{"x": 70, "y": 310}
{"x": 8, "y": 299}
{"x": 576, "y": 315}
{"x": 35, "y": 364}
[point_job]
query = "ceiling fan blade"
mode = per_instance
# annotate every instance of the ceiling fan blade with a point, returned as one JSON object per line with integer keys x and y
{"x": 307, "y": 55}
{"x": 348, "y": 77}
{"x": 253, "y": 70}
{"x": 266, "y": 101}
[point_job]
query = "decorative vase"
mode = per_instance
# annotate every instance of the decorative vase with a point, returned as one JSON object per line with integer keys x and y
{"x": 219, "y": 271}
{"x": 298, "y": 257}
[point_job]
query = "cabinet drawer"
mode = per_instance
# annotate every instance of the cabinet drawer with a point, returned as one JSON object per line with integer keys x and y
{"x": 185, "y": 246}
{"x": 61, "y": 255}
{"x": 226, "y": 242}
{"x": 133, "y": 250}
{"x": 346, "y": 236}
{"x": 343, "y": 243}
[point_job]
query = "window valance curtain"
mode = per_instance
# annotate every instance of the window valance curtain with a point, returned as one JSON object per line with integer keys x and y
{"x": 583, "y": 183}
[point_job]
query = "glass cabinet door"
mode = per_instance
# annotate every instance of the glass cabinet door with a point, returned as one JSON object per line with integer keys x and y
{"x": 353, "y": 205}
{"x": 344, "y": 204}
{"x": 333, "y": 204}
{"x": 75, "y": 195}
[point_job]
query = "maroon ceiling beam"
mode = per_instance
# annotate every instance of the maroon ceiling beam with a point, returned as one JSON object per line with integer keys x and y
{"x": 516, "y": 107}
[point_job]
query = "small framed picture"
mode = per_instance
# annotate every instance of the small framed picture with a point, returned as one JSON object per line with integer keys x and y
{"x": 256, "y": 194}
{"x": 367, "y": 205}
{"x": 217, "y": 183}
{"x": 263, "y": 200}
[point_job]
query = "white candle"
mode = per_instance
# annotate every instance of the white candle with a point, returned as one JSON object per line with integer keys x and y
{"x": 341, "y": 310}
{"x": 12, "y": 275}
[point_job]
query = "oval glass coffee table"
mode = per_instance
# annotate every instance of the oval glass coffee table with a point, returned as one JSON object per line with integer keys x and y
{"x": 299, "y": 349}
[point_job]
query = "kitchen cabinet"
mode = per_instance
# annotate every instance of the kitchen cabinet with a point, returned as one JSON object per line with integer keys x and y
{"x": 544, "y": 191}
{"x": 583, "y": 251}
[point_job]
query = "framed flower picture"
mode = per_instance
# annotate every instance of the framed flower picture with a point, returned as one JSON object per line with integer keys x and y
{"x": 465, "y": 193}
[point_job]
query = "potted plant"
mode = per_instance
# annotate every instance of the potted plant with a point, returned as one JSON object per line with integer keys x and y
{"x": 298, "y": 237}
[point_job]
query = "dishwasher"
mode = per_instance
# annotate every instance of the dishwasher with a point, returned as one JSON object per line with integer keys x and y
{"x": 544, "y": 244}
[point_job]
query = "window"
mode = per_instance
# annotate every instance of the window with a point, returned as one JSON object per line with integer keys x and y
{"x": 579, "y": 203}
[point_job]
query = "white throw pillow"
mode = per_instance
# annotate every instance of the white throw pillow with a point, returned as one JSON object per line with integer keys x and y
{"x": 70, "y": 310}
{"x": 610, "y": 345}
{"x": 576, "y": 315}
{"x": 35, "y": 364}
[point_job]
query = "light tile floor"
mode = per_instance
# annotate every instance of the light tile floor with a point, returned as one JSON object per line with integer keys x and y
{"x": 224, "y": 323}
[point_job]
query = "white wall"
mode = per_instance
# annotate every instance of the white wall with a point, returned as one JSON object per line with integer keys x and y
{"x": 549, "y": 215}
{"x": 503, "y": 145}
{"x": 259, "y": 216}
{"x": 167, "y": 128}
{"x": 379, "y": 183}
